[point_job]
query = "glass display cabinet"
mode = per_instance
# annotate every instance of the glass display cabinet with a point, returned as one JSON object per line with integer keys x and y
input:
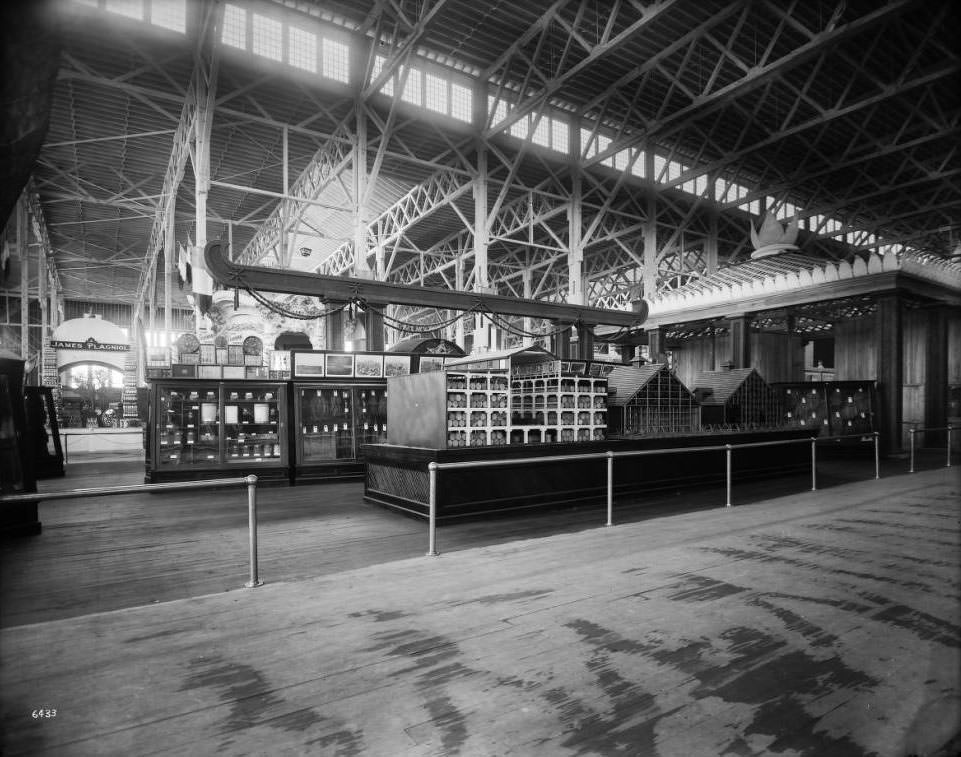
{"x": 332, "y": 422}
{"x": 208, "y": 429}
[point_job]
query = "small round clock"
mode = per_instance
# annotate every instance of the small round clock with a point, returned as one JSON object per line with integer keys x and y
{"x": 189, "y": 343}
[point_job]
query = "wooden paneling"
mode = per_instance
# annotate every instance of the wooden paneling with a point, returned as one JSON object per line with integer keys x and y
{"x": 855, "y": 348}
{"x": 777, "y": 357}
{"x": 914, "y": 328}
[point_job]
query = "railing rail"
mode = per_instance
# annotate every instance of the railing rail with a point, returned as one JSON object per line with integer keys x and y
{"x": 914, "y": 430}
{"x": 105, "y": 491}
{"x": 433, "y": 468}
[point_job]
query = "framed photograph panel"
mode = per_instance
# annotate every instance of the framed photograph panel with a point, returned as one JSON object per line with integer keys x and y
{"x": 339, "y": 364}
{"x": 368, "y": 366}
{"x": 396, "y": 365}
{"x": 309, "y": 364}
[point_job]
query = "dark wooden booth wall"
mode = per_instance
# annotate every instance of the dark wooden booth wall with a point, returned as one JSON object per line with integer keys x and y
{"x": 917, "y": 350}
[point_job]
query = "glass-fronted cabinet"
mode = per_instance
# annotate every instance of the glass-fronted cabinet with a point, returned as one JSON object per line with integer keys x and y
{"x": 204, "y": 429}
{"x": 332, "y": 422}
{"x": 253, "y": 425}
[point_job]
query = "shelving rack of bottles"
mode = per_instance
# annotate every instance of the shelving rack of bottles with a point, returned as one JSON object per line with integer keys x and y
{"x": 455, "y": 408}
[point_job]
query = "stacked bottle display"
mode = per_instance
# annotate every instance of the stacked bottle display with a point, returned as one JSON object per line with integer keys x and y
{"x": 486, "y": 409}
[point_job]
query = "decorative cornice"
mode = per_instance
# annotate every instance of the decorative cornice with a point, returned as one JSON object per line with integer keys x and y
{"x": 794, "y": 273}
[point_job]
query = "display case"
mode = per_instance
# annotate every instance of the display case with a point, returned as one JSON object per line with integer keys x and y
{"x": 332, "y": 422}
{"x": 205, "y": 429}
{"x": 479, "y": 408}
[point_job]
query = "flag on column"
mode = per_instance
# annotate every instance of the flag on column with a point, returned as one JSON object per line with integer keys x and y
{"x": 183, "y": 267}
{"x": 203, "y": 284}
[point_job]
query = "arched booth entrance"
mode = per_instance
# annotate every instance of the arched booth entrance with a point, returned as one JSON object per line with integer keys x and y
{"x": 95, "y": 367}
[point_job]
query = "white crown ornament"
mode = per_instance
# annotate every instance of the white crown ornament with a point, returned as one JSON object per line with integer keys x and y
{"x": 772, "y": 238}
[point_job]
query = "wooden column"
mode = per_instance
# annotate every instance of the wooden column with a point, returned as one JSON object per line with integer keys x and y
{"x": 740, "y": 342}
{"x": 890, "y": 372}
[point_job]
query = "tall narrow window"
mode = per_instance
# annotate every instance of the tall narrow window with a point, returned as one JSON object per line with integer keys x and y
{"x": 268, "y": 37}
{"x": 170, "y": 14}
{"x": 336, "y": 61}
{"x": 302, "y": 52}
{"x": 235, "y": 27}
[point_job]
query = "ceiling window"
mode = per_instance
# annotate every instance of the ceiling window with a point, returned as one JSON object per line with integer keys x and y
{"x": 461, "y": 103}
{"x": 413, "y": 88}
{"x": 302, "y": 51}
{"x": 235, "y": 27}
{"x": 268, "y": 37}
{"x": 436, "y": 94}
{"x": 170, "y": 14}
{"x": 128, "y": 8}
{"x": 336, "y": 61}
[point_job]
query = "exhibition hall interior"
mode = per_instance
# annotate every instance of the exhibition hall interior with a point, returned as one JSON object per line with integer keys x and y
{"x": 433, "y": 377}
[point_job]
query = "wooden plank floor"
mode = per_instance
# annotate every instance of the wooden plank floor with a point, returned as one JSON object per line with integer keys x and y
{"x": 107, "y": 553}
{"x": 823, "y": 623}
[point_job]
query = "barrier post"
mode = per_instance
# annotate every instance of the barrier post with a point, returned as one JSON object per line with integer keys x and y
{"x": 727, "y": 448}
{"x": 252, "y": 526}
{"x": 877, "y": 456}
{"x": 610, "y": 488}
{"x": 948, "y": 465}
{"x": 912, "y": 451}
{"x": 814, "y": 464}
{"x": 432, "y": 527}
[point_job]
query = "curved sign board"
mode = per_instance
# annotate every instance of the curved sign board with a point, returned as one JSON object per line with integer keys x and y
{"x": 90, "y": 340}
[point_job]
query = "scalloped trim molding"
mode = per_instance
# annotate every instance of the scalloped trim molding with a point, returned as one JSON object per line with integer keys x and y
{"x": 710, "y": 292}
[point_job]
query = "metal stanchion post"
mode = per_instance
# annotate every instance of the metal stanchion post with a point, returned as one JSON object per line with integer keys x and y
{"x": 432, "y": 527}
{"x": 252, "y": 526}
{"x": 912, "y": 452}
{"x": 948, "y": 465}
{"x": 877, "y": 456}
{"x": 814, "y": 464}
{"x": 610, "y": 488}
{"x": 728, "y": 453}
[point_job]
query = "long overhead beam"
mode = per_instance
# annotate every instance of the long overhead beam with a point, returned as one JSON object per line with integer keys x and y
{"x": 379, "y": 293}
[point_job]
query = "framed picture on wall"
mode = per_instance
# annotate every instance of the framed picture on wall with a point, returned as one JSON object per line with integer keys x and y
{"x": 307, "y": 363}
{"x": 396, "y": 365}
{"x": 339, "y": 364}
{"x": 368, "y": 366}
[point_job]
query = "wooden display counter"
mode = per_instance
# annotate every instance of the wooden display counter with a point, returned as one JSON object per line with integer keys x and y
{"x": 397, "y": 476}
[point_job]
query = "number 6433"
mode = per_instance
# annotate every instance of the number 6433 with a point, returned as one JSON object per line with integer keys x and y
{"x": 44, "y": 713}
